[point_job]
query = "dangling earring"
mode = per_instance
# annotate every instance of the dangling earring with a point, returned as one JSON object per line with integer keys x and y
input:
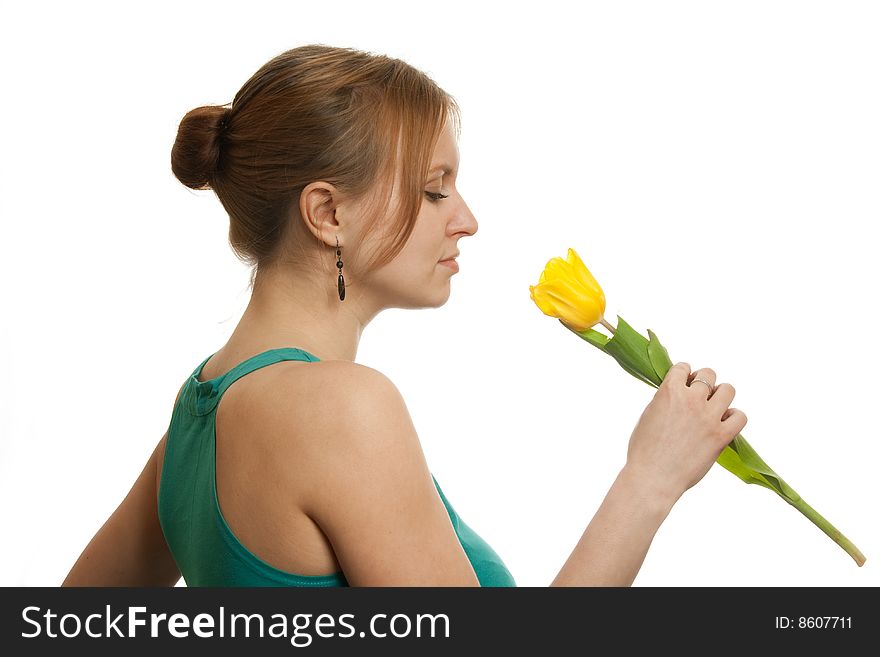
{"x": 341, "y": 282}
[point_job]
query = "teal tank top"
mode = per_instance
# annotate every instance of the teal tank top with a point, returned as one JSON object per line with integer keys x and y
{"x": 206, "y": 551}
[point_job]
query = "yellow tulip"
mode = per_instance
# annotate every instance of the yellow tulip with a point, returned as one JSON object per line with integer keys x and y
{"x": 567, "y": 290}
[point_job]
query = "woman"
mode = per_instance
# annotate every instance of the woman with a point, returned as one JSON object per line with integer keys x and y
{"x": 337, "y": 169}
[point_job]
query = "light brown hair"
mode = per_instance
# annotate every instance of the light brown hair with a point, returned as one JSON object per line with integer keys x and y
{"x": 316, "y": 112}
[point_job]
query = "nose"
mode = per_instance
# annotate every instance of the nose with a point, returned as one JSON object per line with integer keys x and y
{"x": 464, "y": 220}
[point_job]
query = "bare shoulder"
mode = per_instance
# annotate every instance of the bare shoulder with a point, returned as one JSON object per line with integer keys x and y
{"x": 324, "y": 407}
{"x": 356, "y": 377}
{"x": 355, "y": 460}
{"x": 317, "y": 389}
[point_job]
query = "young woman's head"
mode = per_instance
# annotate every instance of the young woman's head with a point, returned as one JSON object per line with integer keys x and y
{"x": 325, "y": 144}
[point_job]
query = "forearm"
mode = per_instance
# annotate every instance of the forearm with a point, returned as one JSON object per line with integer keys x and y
{"x": 613, "y": 546}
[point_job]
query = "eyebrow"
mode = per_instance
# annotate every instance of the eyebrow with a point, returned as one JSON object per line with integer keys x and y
{"x": 447, "y": 169}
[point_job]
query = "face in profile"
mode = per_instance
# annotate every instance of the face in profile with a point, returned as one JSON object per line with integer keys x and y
{"x": 416, "y": 278}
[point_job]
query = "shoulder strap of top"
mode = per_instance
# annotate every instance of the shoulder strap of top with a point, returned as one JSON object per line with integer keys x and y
{"x": 205, "y": 395}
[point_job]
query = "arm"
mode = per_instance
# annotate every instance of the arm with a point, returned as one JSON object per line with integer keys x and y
{"x": 130, "y": 549}
{"x": 612, "y": 548}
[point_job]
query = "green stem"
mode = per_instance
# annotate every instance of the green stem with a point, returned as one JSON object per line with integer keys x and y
{"x": 608, "y": 326}
{"x": 832, "y": 532}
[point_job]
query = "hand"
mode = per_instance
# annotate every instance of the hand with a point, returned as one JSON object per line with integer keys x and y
{"x": 682, "y": 431}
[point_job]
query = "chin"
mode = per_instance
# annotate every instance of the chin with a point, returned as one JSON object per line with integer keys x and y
{"x": 419, "y": 299}
{"x": 441, "y": 301}
{"x": 442, "y": 295}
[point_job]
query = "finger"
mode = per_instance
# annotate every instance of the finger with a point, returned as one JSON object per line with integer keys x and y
{"x": 677, "y": 374}
{"x": 734, "y": 420}
{"x": 706, "y": 375}
{"x": 722, "y": 396}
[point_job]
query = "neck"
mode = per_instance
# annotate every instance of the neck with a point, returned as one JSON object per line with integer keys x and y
{"x": 289, "y": 309}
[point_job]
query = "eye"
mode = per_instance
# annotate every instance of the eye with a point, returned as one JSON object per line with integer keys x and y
{"x": 436, "y": 196}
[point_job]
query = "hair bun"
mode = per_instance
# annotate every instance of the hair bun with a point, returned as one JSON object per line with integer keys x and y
{"x": 195, "y": 156}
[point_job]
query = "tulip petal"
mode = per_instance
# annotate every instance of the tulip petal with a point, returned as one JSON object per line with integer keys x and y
{"x": 583, "y": 274}
{"x": 539, "y": 296}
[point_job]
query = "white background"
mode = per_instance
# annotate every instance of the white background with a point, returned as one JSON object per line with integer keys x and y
{"x": 714, "y": 164}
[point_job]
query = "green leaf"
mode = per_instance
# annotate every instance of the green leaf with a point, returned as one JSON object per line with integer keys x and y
{"x": 731, "y": 461}
{"x": 630, "y": 349}
{"x": 749, "y": 457}
{"x": 594, "y": 337}
{"x": 658, "y": 356}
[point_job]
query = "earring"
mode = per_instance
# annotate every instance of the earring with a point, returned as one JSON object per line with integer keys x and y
{"x": 341, "y": 282}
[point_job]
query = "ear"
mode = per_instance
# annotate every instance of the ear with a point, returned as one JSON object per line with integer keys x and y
{"x": 318, "y": 204}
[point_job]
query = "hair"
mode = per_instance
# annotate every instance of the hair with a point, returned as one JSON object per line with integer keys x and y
{"x": 316, "y": 112}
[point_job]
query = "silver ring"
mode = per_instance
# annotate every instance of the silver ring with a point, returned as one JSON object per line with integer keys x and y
{"x": 704, "y": 381}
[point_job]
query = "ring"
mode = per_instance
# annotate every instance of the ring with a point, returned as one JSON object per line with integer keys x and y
{"x": 704, "y": 381}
